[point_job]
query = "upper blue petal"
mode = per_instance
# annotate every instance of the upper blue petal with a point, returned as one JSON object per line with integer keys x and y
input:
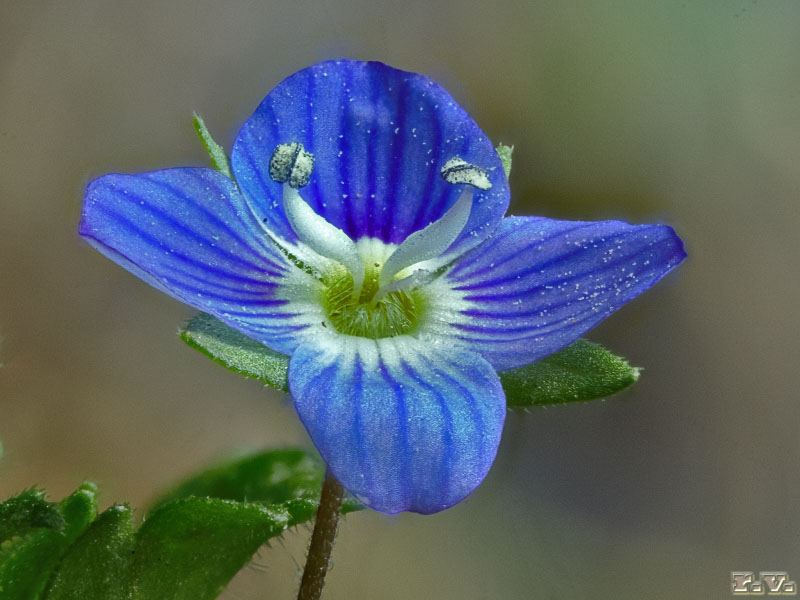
{"x": 190, "y": 233}
{"x": 538, "y": 284}
{"x": 402, "y": 424}
{"x": 380, "y": 137}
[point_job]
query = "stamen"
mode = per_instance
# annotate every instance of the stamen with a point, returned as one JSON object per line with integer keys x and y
{"x": 290, "y": 163}
{"x": 457, "y": 170}
{"x": 322, "y": 237}
{"x": 431, "y": 241}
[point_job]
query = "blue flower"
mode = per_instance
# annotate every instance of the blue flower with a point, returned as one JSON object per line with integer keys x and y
{"x": 363, "y": 235}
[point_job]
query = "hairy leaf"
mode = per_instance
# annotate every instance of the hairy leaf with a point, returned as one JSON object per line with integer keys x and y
{"x": 580, "y": 372}
{"x": 236, "y": 351}
{"x": 79, "y": 509}
{"x": 98, "y": 564}
{"x": 274, "y": 477}
{"x": 26, "y": 512}
{"x": 208, "y": 527}
{"x": 26, "y": 563}
{"x": 505, "y": 157}
{"x": 218, "y": 157}
{"x": 36, "y": 534}
{"x": 191, "y": 544}
{"x": 190, "y": 549}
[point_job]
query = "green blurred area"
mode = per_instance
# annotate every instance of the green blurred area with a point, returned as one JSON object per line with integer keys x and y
{"x": 680, "y": 112}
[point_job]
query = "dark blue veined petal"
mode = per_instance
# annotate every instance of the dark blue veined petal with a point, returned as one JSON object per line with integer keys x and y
{"x": 403, "y": 425}
{"x": 538, "y": 284}
{"x": 190, "y": 233}
{"x": 380, "y": 137}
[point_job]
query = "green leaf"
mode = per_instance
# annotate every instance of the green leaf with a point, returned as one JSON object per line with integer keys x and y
{"x": 36, "y": 533}
{"x": 505, "y": 157}
{"x": 27, "y": 512}
{"x": 26, "y": 563}
{"x": 218, "y": 157}
{"x": 580, "y": 372}
{"x": 236, "y": 351}
{"x": 191, "y": 548}
{"x": 98, "y": 564}
{"x": 30, "y": 541}
{"x": 209, "y": 526}
{"x": 79, "y": 509}
{"x": 273, "y": 477}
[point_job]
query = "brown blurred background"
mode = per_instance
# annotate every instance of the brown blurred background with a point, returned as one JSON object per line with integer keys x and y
{"x": 680, "y": 112}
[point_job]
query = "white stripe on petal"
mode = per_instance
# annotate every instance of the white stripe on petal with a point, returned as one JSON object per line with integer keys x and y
{"x": 444, "y": 309}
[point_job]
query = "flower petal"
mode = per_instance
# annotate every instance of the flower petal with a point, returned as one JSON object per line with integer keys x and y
{"x": 538, "y": 284}
{"x": 402, "y": 424}
{"x": 189, "y": 233}
{"x": 379, "y": 137}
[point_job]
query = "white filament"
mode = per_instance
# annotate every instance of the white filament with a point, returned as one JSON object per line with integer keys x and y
{"x": 431, "y": 241}
{"x": 322, "y": 237}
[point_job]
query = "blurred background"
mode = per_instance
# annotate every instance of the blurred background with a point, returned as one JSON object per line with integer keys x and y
{"x": 680, "y": 112}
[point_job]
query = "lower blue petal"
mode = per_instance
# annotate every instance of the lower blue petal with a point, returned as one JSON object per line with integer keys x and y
{"x": 403, "y": 425}
{"x": 190, "y": 233}
{"x": 536, "y": 285}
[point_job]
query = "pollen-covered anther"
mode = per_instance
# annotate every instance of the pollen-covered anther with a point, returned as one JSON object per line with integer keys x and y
{"x": 291, "y": 164}
{"x": 457, "y": 170}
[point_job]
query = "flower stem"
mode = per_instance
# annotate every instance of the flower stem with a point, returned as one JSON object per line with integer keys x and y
{"x": 319, "y": 552}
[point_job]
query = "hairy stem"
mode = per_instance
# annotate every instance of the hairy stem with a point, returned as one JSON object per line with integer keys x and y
{"x": 319, "y": 552}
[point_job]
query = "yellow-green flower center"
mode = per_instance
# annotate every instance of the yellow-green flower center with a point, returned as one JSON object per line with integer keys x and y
{"x": 395, "y": 313}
